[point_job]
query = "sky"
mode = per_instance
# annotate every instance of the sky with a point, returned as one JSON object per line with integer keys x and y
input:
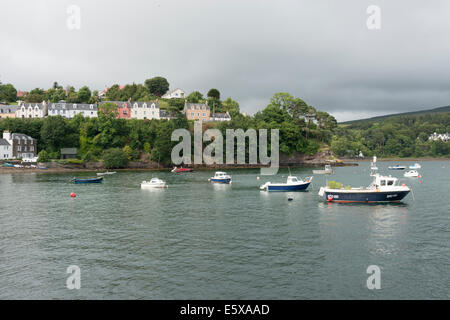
{"x": 319, "y": 50}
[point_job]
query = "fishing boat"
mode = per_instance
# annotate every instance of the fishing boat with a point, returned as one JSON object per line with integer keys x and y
{"x": 411, "y": 174}
{"x": 181, "y": 169}
{"x": 105, "y": 173}
{"x": 153, "y": 183}
{"x": 88, "y": 180}
{"x": 415, "y": 166}
{"x": 382, "y": 189}
{"x": 326, "y": 170}
{"x": 397, "y": 167}
{"x": 292, "y": 184}
{"x": 221, "y": 177}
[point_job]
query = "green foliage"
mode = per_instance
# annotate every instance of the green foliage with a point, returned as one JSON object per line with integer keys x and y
{"x": 214, "y": 94}
{"x": 114, "y": 158}
{"x": 43, "y": 156}
{"x": 194, "y": 97}
{"x": 157, "y": 86}
{"x": 7, "y": 93}
{"x": 334, "y": 185}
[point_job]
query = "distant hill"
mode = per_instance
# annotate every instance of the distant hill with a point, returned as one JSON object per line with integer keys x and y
{"x": 413, "y": 113}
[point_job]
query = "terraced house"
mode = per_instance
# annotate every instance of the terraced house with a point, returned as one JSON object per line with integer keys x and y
{"x": 197, "y": 111}
{"x": 32, "y": 110}
{"x": 145, "y": 110}
{"x": 70, "y": 110}
{"x": 22, "y": 146}
{"x": 7, "y": 111}
{"x": 123, "y": 108}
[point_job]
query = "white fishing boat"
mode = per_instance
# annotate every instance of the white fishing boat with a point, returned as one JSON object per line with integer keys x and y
{"x": 292, "y": 184}
{"x": 153, "y": 183}
{"x": 105, "y": 173}
{"x": 221, "y": 177}
{"x": 411, "y": 174}
{"x": 326, "y": 170}
{"x": 415, "y": 166}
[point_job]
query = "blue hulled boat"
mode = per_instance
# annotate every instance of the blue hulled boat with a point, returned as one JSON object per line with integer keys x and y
{"x": 382, "y": 189}
{"x": 88, "y": 180}
{"x": 221, "y": 177}
{"x": 292, "y": 184}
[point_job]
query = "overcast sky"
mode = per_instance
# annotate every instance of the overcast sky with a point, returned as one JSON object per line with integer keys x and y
{"x": 318, "y": 50}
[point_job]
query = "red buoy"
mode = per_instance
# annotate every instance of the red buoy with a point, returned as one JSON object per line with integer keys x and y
{"x": 72, "y": 195}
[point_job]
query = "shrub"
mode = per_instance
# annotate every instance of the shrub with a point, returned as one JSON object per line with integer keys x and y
{"x": 43, "y": 156}
{"x": 114, "y": 158}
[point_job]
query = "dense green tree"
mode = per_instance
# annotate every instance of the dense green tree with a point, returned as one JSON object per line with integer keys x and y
{"x": 157, "y": 86}
{"x": 194, "y": 97}
{"x": 7, "y": 93}
{"x": 114, "y": 158}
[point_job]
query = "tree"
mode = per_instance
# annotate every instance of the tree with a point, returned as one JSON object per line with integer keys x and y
{"x": 54, "y": 132}
{"x": 114, "y": 158}
{"x": 7, "y": 93}
{"x": 35, "y": 96}
{"x": 84, "y": 95}
{"x": 43, "y": 156}
{"x": 157, "y": 86}
{"x": 194, "y": 97}
{"x": 214, "y": 94}
{"x": 231, "y": 106}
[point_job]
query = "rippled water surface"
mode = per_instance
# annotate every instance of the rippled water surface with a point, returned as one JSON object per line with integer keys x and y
{"x": 195, "y": 240}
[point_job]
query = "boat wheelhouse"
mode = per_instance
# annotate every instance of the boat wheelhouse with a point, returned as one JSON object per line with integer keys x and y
{"x": 153, "y": 183}
{"x": 221, "y": 177}
{"x": 292, "y": 184}
{"x": 415, "y": 166}
{"x": 382, "y": 189}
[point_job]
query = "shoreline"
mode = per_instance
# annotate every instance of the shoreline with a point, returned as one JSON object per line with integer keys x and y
{"x": 396, "y": 159}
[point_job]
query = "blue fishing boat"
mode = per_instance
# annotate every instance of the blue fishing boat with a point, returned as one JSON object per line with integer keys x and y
{"x": 88, "y": 180}
{"x": 221, "y": 177}
{"x": 292, "y": 184}
{"x": 382, "y": 189}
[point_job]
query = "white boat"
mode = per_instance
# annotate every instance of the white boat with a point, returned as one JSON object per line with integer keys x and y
{"x": 221, "y": 177}
{"x": 415, "y": 166}
{"x": 373, "y": 164}
{"x": 326, "y": 170}
{"x": 105, "y": 173}
{"x": 397, "y": 167}
{"x": 411, "y": 174}
{"x": 153, "y": 183}
{"x": 292, "y": 184}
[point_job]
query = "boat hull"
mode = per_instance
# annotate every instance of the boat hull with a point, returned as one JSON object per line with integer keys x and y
{"x": 224, "y": 181}
{"x": 94, "y": 180}
{"x": 284, "y": 188}
{"x": 368, "y": 197}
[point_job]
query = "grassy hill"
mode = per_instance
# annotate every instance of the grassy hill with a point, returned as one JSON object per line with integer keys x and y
{"x": 385, "y": 117}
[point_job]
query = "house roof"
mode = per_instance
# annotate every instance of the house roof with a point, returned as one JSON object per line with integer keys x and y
{"x": 172, "y": 91}
{"x": 7, "y": 108}
{"x": 69, "y": 151}
{"x": 4, "y": 142}
{"x": 221, "y": 115}
{"x": 33, "y": 105}
{"x": 62, "y": 105}
{"x": 197, "y": 106}
{"x": 20, "y": 136}
{"x": 118, "y": 103}
{"x": 140, "y": 104}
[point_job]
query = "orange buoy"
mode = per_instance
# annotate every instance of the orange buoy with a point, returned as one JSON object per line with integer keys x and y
{"x": 72, "y": 195}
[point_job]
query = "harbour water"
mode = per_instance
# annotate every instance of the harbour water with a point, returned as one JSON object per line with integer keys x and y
{"x": 195, "y": 240}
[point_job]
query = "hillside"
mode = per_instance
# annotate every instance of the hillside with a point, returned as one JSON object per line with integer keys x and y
{"x": 412, "y": 113}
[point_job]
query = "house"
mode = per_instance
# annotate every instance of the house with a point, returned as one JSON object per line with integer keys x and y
{"x": 7, "y": 111}
{"x": 68, "y": 153}
{"x": 165, "y": 115}
{"x": 21, "y": 94}
{"x": 70, "y": 110}
{"x": 22, "y": 146}
{"x": 174, "y": 94}
{"x": 123, "y": 108}
{"x": 220, "y": 117}
{"x": 5, "y": 149}
{"x": 197, "y": 111}
{"x": 441, "y": 136}
{"x": 32, "y": 110}
{"x": 145, "y": 110}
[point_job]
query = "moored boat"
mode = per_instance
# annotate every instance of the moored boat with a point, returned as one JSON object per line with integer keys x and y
{"x": 411, "y": 174}
{"x": 153, "y": 183}
{"x": 88, "y": 180}
{"x": 326, "y": 170}
{"x": 181, "y": 169}
{"x": 105, "y": 173}
{"x": 292, "y": 184}
{"x": 415, "y": 166}
{"x": 382, "y": 189}
{"x": 397, "y": 167}
{"x": 221, "y": 177}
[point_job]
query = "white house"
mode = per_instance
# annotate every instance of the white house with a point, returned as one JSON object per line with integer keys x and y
{"x": 5, "y": 149}
{"x": 70, "y": 110}
{"x": 145, "y": 110}
{"x": 441, "y": 136}
{"x": 32, "y": 110}
{"x": 174, "y": 94}
{"x": 220, "y": 117}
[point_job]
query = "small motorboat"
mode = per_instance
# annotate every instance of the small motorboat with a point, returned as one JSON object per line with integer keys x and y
{"x": 415, "y": 166}
{"x": 7, "y": 164}
{"x": 292, "y": 184}
{"x": 153, "y": 183}
{"x": 181, "y": 169}
{"x": 221, "y": 177}
{"x": 397, "y": 167}
{"x": 382, "y": 189}
{"x": 105, "y": 173}
{"x": 326, "y": 170}
{"x": 411, "y": 174}
{"x": 88, "y": 180}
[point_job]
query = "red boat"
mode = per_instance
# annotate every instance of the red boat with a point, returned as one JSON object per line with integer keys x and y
{"x": 178, "y": 170}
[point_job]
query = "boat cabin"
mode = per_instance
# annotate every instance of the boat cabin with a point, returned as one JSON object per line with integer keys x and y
{"x": 383, "y": 181}
{"x": 292, "y": 180}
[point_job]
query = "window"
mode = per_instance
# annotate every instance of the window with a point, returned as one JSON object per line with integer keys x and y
{"x": 383, "y": 182}
{"x": 390, "y": 182}
{"x": 204, "y": 114}
{"x": 192, "y": 114}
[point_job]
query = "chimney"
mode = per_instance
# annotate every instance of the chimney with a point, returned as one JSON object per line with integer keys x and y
{"x": 6, "y": 135}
